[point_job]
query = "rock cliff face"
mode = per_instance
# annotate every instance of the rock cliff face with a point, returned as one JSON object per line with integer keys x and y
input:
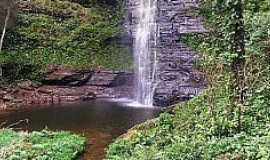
{"x": 63, "y": 85}
{"x": 177, "y": 79}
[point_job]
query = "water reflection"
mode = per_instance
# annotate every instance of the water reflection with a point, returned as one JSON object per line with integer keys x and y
{"x": 99, "y": 121}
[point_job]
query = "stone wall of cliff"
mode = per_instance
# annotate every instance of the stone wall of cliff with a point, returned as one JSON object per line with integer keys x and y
{"x": 177, "y": 78}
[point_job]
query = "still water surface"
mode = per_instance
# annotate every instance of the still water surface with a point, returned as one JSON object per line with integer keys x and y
{"x": 99, "y": 121}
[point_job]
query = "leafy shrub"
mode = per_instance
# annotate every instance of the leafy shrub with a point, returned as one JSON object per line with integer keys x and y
{"x": 212, "y": 125}
{"x": 39, "y": 145}
{"x": 64, "y": 33}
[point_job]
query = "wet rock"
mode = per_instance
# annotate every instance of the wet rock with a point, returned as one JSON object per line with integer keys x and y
{"x": 27, "y": 85}
{"x": 123, "y": 79}
{"x": 3, "y": 106}
{"x": 102, "y": 79}
{"x": 67, "y": 76}
{"x": 88, "y": 97}
{"x": 2, "y": 93}
{"x": 176, "y": 76}
{"x": 44, "y": 90}
{"x": 67, "y": 86}
{"x": 17, "y": 101}
{"x": 8, "y": 97}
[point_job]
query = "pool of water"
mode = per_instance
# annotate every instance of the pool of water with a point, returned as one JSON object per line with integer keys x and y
{"x": 99, "y": 121}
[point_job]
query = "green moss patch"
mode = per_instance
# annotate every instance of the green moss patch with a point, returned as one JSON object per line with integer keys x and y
{"x": 39, "y": 145}
{"x": 196, "y": 131}
{"x": 64, "y": 32}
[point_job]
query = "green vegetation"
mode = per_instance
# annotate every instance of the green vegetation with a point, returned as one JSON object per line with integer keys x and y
{"x": 42, "y": 145}
{"x": 65, "y": 33}
{"x": 230, "y": 119}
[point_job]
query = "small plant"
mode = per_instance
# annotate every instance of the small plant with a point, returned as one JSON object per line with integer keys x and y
{"x": 39, "y": 145}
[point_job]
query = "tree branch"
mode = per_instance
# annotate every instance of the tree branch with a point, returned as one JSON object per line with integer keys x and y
{"x": 4, "y": 29}
{"x": 3, "y": 36}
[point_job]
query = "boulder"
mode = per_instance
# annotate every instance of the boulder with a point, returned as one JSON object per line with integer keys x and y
{"x": 8, "y": 97}
{"x": 104, "y": 78}
{"x": 27, "y": 85}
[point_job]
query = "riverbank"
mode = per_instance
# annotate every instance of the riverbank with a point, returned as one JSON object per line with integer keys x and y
{"x": 66, "y": 85}
{"x": 99, "y": 121}
{"x": 40, "y": 145}
{"x": 47, "y": 36}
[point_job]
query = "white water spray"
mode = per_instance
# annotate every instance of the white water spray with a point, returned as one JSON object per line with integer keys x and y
{"x": 145, "y": 52}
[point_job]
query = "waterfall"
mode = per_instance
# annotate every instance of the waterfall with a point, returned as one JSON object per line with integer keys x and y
{"x": 145, "y": 52}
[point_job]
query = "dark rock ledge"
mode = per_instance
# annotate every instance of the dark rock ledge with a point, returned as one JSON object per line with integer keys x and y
{"x": 63, "y": 85}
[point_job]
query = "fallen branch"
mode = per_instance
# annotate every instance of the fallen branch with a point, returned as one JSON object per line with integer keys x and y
{"x": 2, "y": 124}
{"x": 18, "y": 123}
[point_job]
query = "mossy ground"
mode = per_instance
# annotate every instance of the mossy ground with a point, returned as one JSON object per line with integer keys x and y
{"x": 64, "y": 33}
{"x": 214, "y": 125}
{"x": 39, "y": 145}
{"x": 195, "y": 130}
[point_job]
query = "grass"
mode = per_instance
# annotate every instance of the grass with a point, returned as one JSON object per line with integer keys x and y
{"x": 194, "y": 131}
{"x": 44, "y": 145}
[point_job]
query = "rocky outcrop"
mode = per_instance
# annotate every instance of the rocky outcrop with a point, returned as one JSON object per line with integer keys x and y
{"x": 63, "y": 85}
{"x": 176, "y": 77}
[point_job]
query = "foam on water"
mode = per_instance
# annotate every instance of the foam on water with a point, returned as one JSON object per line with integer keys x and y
{"x": 129, "y": 103}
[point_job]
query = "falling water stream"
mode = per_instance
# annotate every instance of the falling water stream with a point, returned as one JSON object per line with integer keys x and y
{"x": 102, "y": 121}
{"x": 145, "y": 53}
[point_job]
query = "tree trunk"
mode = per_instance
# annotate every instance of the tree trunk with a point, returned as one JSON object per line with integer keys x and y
{"x": 3, "y": 36}
{"x": 238, "y": 65}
